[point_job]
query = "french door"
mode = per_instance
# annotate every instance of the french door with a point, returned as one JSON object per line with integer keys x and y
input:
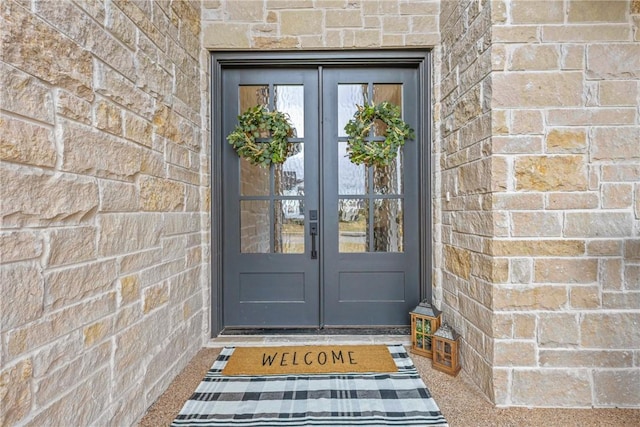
{"x": 319, "y": 241}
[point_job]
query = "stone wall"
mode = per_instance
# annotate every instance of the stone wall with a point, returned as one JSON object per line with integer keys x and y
{"x": 104, "y": 193}
{"x": 319, "y": 24}
{"x": 467, "y": 176}
{"x": 566, "y": 127}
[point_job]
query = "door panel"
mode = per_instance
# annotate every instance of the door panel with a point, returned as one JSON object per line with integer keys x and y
{"x": 269, "y": 279}
{"x": 371, "y": 248}
{"x": 365, "y": 268}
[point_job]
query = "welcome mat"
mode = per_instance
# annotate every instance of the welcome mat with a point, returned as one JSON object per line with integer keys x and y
{"x": 383, "y": 399}
{"x": 321, "y": 359}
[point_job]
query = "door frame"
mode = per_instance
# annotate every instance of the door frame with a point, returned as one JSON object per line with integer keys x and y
{"x": 420, "y": 59}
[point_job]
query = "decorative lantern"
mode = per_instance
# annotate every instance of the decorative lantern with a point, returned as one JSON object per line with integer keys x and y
{"x": 445, "y": 350}
{"x": 425, "y": 320}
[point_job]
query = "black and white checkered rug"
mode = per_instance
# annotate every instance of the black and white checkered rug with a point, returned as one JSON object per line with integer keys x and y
{"x": 399, "y": 399}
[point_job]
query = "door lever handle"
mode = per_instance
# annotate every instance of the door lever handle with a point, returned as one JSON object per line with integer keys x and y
{"x": 313, "y": 230}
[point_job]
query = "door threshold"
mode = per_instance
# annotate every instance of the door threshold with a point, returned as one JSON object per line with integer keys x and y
{"x": 400, "y": 330}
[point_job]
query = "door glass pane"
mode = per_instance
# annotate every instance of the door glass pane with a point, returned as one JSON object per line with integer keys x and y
{"x": 353, "y": 225}
{"x": 348, "y": 97}
{"x": 289, "y": 227}
{"x": 289, "y": 176}
{"x": 386, "y": 92}
{"x": 388, "y": 225}
{"x": 254, "y": 226}
{"x": 351, "y": 178}
{"x": 254, "y": 179}
{"x": 388, "y": 179}
{"x": 250, "y": 96}
{"x": 290, "y": 100}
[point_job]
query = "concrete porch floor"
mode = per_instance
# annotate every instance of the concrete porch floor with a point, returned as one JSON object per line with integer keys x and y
{"x": 459, "y": 399}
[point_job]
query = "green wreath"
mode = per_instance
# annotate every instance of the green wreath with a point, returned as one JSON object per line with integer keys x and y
{"x": 257, "y": 121}
{"x": 379, "y": 153}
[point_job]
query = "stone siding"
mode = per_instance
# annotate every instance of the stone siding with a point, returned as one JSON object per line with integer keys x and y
{"x": 103, "y": 206}
{"x": 566, "y": 125}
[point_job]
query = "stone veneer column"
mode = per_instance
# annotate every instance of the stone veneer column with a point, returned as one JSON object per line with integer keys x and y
{"x": 103, "y": 207}
{"x": 566, "y": 123}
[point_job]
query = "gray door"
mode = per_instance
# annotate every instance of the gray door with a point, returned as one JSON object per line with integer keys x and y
{"x": 319, "y": 241}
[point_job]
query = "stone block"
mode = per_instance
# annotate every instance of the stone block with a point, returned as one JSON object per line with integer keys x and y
{"x": 597, "y": 11}
{"x": 71, "y": 285}
{"x": 585, "y": 297}
{"x": 617, "y": 388}
{"x": 538, "y": 247}
{"x": 621, "y": 300}
{"x": 566, "y": 140}
{"x": 338, "y": 18}
{"x": 537, "y": 12}
{"x": 123, "y": 233}
{"x": 244, "y": 11}
{"x": 301, "y": 22}
{"x": 601, "y": 33}
{"x": 563, "y": 270}
{"x": 615, "y": 143}
{"x": 605, "y": 247}
{"x": 524, "y": 326}
{"x": 622, "y": 330}
{"x": 598, "y": 224}
{"x": 72, "y": 107}
{"x": 521, "y": 270}
{"x": 613, "y": 61}
{"x": 108, "y": 117}
{"x": 16, "y": 398}
{"x": 40, "y": 50}
{"x": 20, "y": 245}
{"x": 528, "y": 298}
{"x": 572, "y": 56}
{"x": 516, "y": 144}
{"x": 573, "y": 200}
{"x": 59, "y": 199}
{"x": 551, "y": 173}
{"x": 632, "y": 250}
{"x": 518, "y": 90}
{"x": 122, "y": 91}
{"x": 139, "y": 260}
{"x": 121, "y": 26}
{"x": 87, "y": 151}
{"x": 22, "y": 289}
{"x": 632, "y": 277}
{"x": 527, "y": 122}
{"x": 155, "y": 296}
{"x": 22, "y": 94}
{"x": 514, "y": 353}
{"x": 616, "y": 196}
{"x": 536, "y": 224}
{"x": 545, "y": 387}
{"x": 516, "y": 201}
{"x": 25, "y": 142}
{"x": 618, "y": 92}
{"x": 531, "y": 57}
{"x": 558, "y": 330}
{"x": 576, "y": 358}
{"x": 591, "y": 116}
{"x": 71, "y": 245}
{"x": 129, "y": 289}
{"x": 458, "y": 261}
{"x": 157, "y": 194}
{"x": 116, "y": 196}
{"x": 97, "y": 332}
{"x": 515, "y": 34}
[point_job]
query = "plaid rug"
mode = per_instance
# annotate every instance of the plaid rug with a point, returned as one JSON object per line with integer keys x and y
{"x": 399, "y": 399}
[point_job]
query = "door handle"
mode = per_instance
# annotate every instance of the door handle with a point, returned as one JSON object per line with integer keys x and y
{"x": 313, "y": 230}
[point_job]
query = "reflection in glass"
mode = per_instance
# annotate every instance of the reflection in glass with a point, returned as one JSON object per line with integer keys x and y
{"x": 385, "y": 92}
{"x": 289, "y": 176}
{"x": 254, "y": 226}
{"x": 250, "y": 96}
{"x": 254, "y": 179}
{"x": 353, "y": 225}
{"x": 289, "y": 227}
{"x": 388, "y": 179}
{"x": 290, "y": 100}
{"x": 388, "y": 225}
{"x": 348, "y": 97}
{"x": 351, "y": 177}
